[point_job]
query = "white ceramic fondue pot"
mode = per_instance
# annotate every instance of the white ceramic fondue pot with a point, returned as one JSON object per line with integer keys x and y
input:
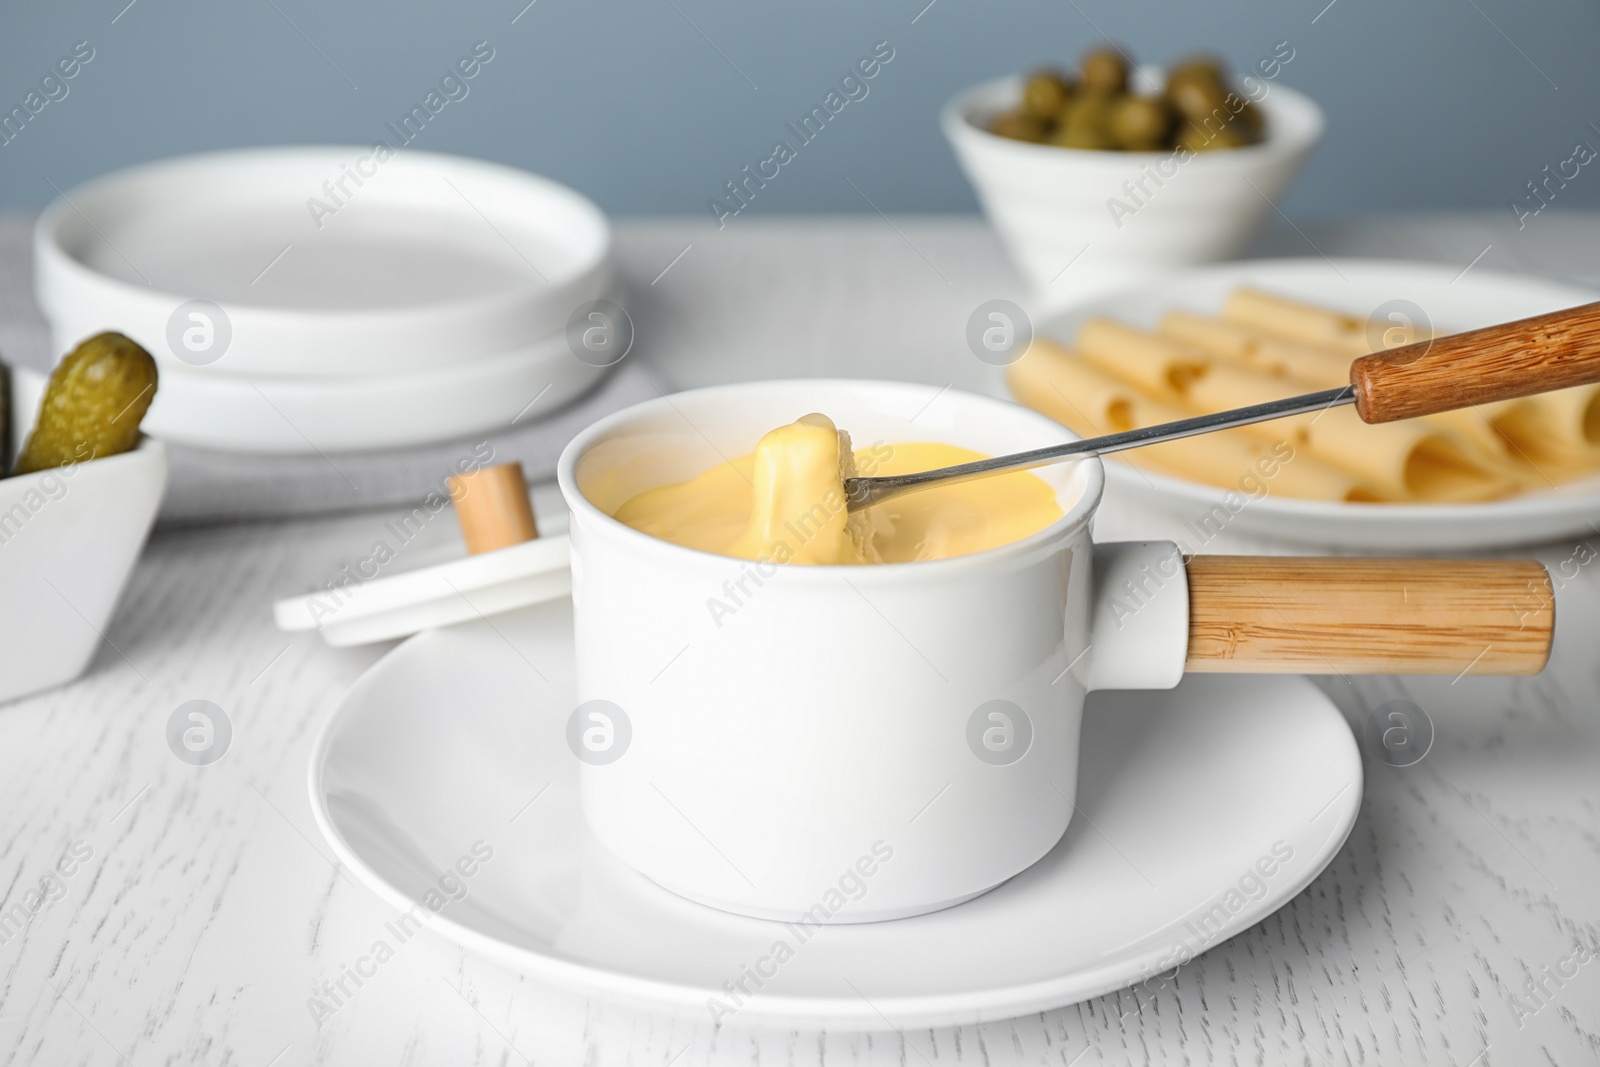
{"x": 847, "y": 744}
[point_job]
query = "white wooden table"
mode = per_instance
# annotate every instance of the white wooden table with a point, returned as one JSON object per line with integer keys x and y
{"x": 208, "y": 909}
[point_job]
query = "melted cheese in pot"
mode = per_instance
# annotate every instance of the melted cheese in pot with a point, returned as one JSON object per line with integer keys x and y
{"x": 785, "y": 502}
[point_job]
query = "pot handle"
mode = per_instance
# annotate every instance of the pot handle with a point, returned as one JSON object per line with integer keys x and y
{"x": 1157, "y": 614}
{"x": 1351, "y": 615}
{"x": 1139, "y": 616}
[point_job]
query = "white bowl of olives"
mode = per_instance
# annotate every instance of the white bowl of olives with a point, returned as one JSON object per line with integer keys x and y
{"x": 1097, "y": 178}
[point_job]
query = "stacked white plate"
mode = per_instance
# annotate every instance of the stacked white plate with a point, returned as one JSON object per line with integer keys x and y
{"x": 326, "y": 299}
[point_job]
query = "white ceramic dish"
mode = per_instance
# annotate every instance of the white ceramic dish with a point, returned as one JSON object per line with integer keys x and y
{"x": 429, "y": 260}
{"x": 1452, "y": 300}
{"x": 1053, "y": 207}
{"x": 398, "y": 409}
{"x": 68, "y": 541}
{"x": 456, "y": 739}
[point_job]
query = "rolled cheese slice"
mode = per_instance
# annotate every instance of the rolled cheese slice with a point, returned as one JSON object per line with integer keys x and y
{"x": 1412, "y": 460}
{"x": 1251, "y": 347}
{"x": 1302, "y": 322}
{"x": 1161, "y": 367}
{"x": 1332, "y": 333}
{"x": 1090, "y": 402}
{"x": 1321, "y": 367}
{"x": 1560, "y": 428}
{"x": 1190, "y": 375}
{"x": 1225, "y": 385}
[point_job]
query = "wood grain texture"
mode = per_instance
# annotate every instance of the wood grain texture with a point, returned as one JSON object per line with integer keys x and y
{"x": 212, "y": 909}
{"x": 1270, "y": 615}
{"x": 1537, "y": 355}
{"x": 492, "y": 507}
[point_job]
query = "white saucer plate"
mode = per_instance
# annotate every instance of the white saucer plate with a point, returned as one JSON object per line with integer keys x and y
{"x": 1200, "y": 812}
{"x": 398, "y": 410}
{"x": 277, "y": 416}
{"x": 1452, "y": 301}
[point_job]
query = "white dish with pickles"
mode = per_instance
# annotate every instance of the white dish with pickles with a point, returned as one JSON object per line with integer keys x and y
{"x": 76, "y": 504}
{"x": 1240, "y": 333}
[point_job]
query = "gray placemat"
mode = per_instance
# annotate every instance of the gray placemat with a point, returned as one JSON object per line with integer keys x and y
{"x": 209, "y": 486}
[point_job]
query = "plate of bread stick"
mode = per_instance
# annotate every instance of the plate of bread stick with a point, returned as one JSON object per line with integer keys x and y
{"x": 1236, "y": 334}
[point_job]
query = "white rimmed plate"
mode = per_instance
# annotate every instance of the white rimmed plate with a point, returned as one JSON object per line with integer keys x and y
{"x": 1453, "y": 300}
{"x": 325, "y": 262}
{"x": 455, "y": 742}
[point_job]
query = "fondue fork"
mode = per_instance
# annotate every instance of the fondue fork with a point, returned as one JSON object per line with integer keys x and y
{"x": 1536, "y": 355}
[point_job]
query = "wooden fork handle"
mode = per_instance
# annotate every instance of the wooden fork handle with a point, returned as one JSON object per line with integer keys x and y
{"x": 1290, "y": 615}
{"x": 1513, "y": 359}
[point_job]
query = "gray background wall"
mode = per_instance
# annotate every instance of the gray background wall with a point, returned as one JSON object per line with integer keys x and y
{"x": 650, "y": 105}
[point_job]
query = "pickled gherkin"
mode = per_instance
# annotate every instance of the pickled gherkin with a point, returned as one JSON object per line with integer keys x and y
{"x": 93, "y": 405}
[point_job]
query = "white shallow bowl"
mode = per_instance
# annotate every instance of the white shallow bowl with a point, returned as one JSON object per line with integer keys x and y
{"x": 455, "y": 743}
{"x": 68, "y": 541}
{"x": 434, "y": 259}
{"x": 398, "y": 409}
{"x": 1452, "y": 301}
{"x": 1051, "y": 205}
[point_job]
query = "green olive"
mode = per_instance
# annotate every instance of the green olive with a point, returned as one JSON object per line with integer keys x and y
{"x": 1085, "y": 123}
{"x": 1197, "y": 109}
{"x": 1251, "y": 119}
{"x": 1209, "y": 138}
{"x": 1139, "y": 123}
{"x": 93, "y": 404}
{"x": 1104, "y": 70}
{"x": 1089, "y": 110}
{"x": 1083, "y": 137}
{"x": 1019, "y": 127}
{"x": 1196, "y": 98}
{"x": 1044, "y": 94}
{"x": 1206, "y": 68}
